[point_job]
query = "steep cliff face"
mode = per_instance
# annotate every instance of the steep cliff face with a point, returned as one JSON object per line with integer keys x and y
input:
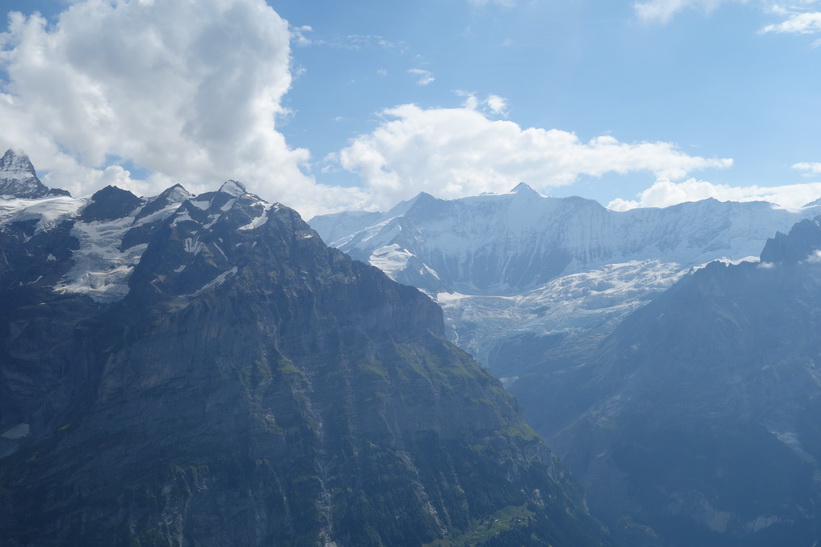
{"x": 223, "y": 377}
{"x": 699, "y": 415}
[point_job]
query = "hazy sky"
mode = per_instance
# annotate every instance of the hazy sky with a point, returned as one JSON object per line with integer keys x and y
{"x": 328, "y": 105}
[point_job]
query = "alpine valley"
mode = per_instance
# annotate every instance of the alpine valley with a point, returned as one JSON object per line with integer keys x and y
{"x": 204, "y": 370}
{"x": 670, "y": 362}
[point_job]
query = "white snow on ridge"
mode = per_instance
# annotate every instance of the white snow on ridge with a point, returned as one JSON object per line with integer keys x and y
{"x": 47, "y": 211}
{"x": 730, "y": 262}
{"x": 502, "y": 243}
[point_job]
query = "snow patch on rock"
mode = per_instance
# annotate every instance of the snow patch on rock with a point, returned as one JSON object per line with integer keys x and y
{"x": 258, "y": 221}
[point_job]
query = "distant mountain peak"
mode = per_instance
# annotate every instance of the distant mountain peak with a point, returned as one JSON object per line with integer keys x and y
{"x": 524, "y": 189}
{"x": 18, "y": 178}
{"x": 16, "y": 162}
{"x": 110, "y": 203}
{"x": 233, "y": 188}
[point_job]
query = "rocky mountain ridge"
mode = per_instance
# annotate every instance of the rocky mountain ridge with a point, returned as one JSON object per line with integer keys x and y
{"x": 203, "y": 370}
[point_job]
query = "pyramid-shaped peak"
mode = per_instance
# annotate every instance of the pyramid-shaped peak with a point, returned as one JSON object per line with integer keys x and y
{"x": 524, "y": 189}
{"x": 18, "y": 179}
{"x": 233, "y": 188}
{"x": 16, "y": 162}
{"x": 175, "y": 194}
{"x": 110, "y": 203}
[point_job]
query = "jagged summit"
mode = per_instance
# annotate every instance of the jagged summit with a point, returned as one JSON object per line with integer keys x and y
{"x": 802, "y": 243}
{"x": 174, "y": 194}
{"x": 18, "y": 178}
{"x": 233, "y": 188}
{"x": 16, "y": 163}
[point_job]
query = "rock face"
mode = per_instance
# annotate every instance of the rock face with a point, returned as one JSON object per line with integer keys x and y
{"x": 203, "y": 370}
{"x": 18, "y": 178}
{"x": 700, "y": 415}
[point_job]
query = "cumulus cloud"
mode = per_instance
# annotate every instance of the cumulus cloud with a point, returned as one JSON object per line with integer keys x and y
{"x": 666, "y": 193}
{"x": 188, "y": 91}
{"x": 455, "y": 152}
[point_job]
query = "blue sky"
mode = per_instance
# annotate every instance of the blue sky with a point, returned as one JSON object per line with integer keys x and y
{"x": 327, "y": 105}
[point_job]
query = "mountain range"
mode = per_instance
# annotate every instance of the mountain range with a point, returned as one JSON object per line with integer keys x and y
{"x": 204, "y": 370}
{"x": 527, "y": 281}
{"x": 669, "y": 360}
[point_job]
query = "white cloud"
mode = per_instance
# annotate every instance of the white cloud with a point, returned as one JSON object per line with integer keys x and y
{"x": 299, "y": 35}
{"x": 811, "y": 168}
{"x": 493, "y": 104}
{"x": 496, "y": 104}
{"x": 454, "y": 152}
{"x": 797, "y": 23}
{"x": 423, "y": 77}
{"x": 189, "y": 91}
{"x": 814, "y": 258}
{"x": 663, "y": 10}
{"x": 666, "y": 193}
{"x": 799, "y": 18}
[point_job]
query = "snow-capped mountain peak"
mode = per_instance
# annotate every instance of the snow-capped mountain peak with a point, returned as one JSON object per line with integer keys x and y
{"x": 103, "y": 238}
{"x": 233, "y": 188}
{"x": 524, "y": 189}
{"x": 18, "y": 178}
{"x": 514, "y": 255}
{"x": 15, "y": 164}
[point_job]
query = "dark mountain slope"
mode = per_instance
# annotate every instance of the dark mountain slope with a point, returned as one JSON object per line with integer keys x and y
{"x": 700, "y": 415}
{"x": 255, "y": 387}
